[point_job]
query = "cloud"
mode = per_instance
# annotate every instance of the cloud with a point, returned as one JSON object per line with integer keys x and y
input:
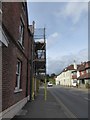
{"x": 56, "y": 65}
{"x": 51, "y": 40}
{"x": 54, "y": 35}
{"x": 73, "y": 10}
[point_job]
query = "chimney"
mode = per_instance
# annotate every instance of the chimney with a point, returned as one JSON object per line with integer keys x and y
{"x": 75, "y": 65}
{"x": 32, "y": 27}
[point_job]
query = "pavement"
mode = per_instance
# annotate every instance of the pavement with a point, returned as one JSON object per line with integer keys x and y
{"x": 75, "y": 88}
{"x": 39, "y": 108}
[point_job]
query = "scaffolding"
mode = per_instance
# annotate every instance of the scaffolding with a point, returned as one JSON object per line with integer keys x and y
{"x": 39, "y": 57}
{"x": 40, "y": 52}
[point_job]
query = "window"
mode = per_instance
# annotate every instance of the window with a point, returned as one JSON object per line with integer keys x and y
{"x": 88, "y": 70}
{"x": 24, "y": 6}
{"x": 18, "y": 76}
{"x": 0, "y": 11}
{"x": 21, "y": 32}
{"x": 82, "y": 72}
{"x": 74, "y": 73}
{"x": 0, "y": 7}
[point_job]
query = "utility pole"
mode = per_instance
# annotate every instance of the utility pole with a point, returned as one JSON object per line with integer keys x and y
{"x": 45, "y": 96}
{"x": 45, "y": 88}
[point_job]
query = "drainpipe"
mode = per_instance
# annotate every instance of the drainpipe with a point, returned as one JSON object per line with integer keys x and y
{"x": 27, "y": 80}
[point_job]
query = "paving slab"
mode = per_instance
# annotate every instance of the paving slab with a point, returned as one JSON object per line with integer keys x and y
{"x": 39, "y": 108}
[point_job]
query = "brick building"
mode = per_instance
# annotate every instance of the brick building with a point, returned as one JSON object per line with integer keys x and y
{"x": 84, "y": 74}
{"x": 16, "y": 57}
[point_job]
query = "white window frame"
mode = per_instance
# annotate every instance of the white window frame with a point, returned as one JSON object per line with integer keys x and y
{"x": 0, "y": 11}
{"x": 82, "y": 72}
{"x": 18, "y": 76}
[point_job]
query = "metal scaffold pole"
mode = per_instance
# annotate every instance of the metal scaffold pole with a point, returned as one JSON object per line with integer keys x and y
{"x": 45, "y": 70}
{"x": 45, "y": 89}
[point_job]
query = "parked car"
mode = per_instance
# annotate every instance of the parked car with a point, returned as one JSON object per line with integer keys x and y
{"x": 50, "y": 84}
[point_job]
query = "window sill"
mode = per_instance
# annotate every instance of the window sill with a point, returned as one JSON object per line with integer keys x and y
{"x": 21, "y": 46}
{"x": 17, "y": 90}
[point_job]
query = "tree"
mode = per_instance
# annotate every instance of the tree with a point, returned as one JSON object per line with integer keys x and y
{"x": 53, "y": 75}
{"x": 47, "y": 77}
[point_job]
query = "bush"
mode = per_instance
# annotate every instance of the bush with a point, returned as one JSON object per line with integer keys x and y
{"x": 87, "y": 85}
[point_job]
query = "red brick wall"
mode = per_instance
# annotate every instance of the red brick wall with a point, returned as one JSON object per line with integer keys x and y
{"x": 11, "y": 21}
{"x": 29, "y": 67}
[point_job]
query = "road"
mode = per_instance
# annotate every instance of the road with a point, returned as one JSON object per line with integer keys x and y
{"x": 74, "y": 101}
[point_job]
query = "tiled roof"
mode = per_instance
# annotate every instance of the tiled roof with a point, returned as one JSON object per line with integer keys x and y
{"x": 80, "y": 67}
{"x": 70, "y": 67}
{"x": 87, "y": 64}
{"x": 84, "y": 66}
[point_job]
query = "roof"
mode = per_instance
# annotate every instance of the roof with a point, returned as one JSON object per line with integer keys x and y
{"x": 80, "y": 67}
{"x": 70, "y": 67}
{"x": 87, "y": 65}
{"x": 84, "y": 66}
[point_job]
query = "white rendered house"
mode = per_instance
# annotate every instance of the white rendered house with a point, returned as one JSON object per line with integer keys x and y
{"x": 65, "y": 77}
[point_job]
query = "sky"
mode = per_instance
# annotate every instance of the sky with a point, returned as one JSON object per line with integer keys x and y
{"x": 66, "y": 26}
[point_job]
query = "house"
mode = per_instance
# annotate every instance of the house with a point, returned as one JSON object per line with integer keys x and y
{"x": 3, "y": 40}
{"x": 15, "y": 58}
{"x": 75, "y": 75}
{"x": 65, "y": 77}
{"x": 60, "y": 78}
{"x": 84, "y": 71}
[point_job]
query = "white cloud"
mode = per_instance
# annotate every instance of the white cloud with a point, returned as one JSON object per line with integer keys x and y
{"x": 56, "y": 65}
{"x": 74, "y": 10}
{"x": 54, "y": 35}
{"x": 51, "y": 40}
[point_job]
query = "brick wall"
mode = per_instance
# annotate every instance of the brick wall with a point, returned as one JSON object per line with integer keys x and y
{"x": 11, "y": 21}
{"x": 0, "y": 78}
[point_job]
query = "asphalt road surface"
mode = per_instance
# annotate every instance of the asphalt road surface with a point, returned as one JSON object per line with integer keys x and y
{"x": 74, "y": 101}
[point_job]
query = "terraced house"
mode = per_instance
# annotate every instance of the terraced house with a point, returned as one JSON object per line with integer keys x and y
{"x": 16, "y": 56}
{"x": 65, "y": 77}
{"x": 75, "y": 75}
{"x": 84, "y": 74}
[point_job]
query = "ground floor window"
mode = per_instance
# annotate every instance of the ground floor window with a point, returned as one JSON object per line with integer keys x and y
{"x": 18, "y": 74}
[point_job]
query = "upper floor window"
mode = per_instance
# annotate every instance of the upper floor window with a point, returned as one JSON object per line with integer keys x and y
{"x": 0, "y": 11}
{"x": 24, "y": 6}
{"x": 0, "y": 7}
{"x": 21, "y": 32}
{"x": 82, "y": 72}
{"x": 74, "y": 73}
{"x": 88, "y": 70}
